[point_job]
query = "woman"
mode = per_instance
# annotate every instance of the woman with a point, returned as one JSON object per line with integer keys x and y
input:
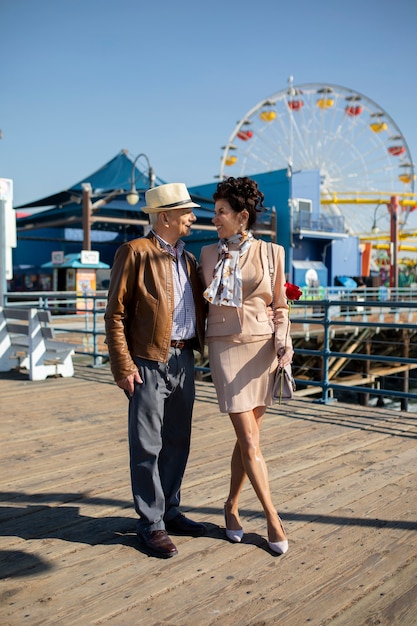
{"x": 244, "y": 351}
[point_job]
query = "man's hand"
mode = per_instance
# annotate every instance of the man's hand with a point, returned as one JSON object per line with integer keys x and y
{"x": 128, "y": 383}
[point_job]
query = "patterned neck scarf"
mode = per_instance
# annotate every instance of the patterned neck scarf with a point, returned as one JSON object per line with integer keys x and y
{"x": 226, "y": 287}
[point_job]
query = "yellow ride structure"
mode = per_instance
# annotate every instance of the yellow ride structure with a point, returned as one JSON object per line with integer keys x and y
{"x": 395, "y": 240}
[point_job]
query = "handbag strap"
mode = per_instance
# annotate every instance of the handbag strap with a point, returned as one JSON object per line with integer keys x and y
{"x": 271, "y": 268}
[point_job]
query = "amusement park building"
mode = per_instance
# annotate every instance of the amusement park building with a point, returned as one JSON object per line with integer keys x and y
{"x": 318, "y": 246}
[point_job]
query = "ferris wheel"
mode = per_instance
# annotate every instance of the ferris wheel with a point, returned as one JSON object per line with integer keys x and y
{"x": 351, "y": 140}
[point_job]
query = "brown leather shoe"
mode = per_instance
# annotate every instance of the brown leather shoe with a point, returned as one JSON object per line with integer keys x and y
{"x": 158, "y": 543}
{"x": 181, "y": 525}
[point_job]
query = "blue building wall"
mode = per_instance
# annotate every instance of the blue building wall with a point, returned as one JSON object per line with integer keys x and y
{"x": 306, "y": 184}
{"x": 36, "y": 247}
{"x": 345, "y": 259}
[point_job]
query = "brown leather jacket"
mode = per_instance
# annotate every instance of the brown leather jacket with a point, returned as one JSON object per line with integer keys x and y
{"x": 140, "y": 304}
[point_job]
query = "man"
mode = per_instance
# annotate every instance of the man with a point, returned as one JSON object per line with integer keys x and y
{"x": 154, "y": 319}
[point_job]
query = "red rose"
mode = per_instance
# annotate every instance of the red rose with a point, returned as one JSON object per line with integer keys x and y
{"x": 293, "y": 292}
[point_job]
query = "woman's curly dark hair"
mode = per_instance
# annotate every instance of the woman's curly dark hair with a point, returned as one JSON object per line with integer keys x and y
{"x": 241, "y": 193}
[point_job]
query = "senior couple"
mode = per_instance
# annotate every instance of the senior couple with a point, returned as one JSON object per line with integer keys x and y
{"x": 161, "y": 307}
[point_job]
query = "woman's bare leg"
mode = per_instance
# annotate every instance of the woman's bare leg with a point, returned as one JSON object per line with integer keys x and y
{"x": 238, "y": 478}
{"x": 253, "y": 465}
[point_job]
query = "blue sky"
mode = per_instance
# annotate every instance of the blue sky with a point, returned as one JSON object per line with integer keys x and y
{"x": 82, "y": 80}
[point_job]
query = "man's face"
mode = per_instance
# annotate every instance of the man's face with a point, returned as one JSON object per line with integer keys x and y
{"x": 179, "y": 222}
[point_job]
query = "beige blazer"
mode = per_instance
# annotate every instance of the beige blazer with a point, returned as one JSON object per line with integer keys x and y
{"x": 252, "y": 320}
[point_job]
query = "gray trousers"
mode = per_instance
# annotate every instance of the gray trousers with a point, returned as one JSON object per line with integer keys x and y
{"x": 160, "y": 414}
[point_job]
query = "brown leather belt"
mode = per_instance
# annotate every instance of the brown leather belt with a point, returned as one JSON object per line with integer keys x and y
{"x": 182, "y": 344}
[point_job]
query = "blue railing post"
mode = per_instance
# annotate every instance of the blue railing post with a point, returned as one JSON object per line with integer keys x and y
{"x": 325, "y": 398}
{"x": 98, "y": 360}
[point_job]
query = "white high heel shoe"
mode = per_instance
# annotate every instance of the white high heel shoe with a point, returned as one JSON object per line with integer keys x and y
{"x": 280, "y": 547}
{"x": 233, "y": 535}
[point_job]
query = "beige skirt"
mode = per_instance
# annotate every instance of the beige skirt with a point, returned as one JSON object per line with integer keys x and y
{"x": 243, "y": 373}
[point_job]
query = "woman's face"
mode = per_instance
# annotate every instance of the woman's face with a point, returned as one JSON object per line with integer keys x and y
{"x": 227, "y": 221}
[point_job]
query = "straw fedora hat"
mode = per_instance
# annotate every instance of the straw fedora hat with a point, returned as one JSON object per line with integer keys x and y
{"x": 167, "y": 197}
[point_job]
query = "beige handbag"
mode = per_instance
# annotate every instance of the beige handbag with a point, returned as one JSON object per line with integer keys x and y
{"x": 284, "y": 384}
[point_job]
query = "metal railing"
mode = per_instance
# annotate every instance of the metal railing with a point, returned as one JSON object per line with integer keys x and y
{"x": 363, "y": 343}
{"x": 366, "y": 347}
{"x": 303, "y": 220}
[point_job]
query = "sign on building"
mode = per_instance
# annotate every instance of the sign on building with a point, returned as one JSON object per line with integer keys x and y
{"x": 90, "y": 257}
{"x": 57, "y": 257}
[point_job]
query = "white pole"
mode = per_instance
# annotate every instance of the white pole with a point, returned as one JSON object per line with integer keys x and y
{"x": 3, "y": 252}
{"x": 8, "y": 237}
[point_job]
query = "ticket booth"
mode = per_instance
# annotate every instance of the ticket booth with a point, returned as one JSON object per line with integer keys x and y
{"x": 76, "y": 272}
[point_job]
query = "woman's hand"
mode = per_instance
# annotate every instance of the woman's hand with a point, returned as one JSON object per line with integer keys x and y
{"x": 286, "y": 357}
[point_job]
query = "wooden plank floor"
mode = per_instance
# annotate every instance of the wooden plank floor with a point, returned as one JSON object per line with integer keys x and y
{"x": 343, "y": 478}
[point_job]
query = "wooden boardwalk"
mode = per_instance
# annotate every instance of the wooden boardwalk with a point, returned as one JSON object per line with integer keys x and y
{"x": 343, "y": 477}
